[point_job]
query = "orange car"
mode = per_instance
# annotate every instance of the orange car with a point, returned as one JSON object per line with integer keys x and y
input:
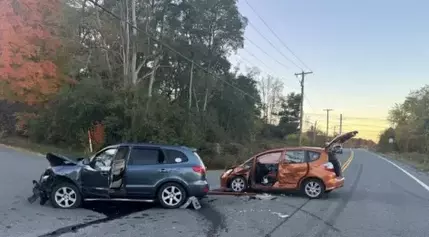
{"x": 312, "y": 170}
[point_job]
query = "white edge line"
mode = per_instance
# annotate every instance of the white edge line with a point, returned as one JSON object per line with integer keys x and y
{"x": 406, "y": 172}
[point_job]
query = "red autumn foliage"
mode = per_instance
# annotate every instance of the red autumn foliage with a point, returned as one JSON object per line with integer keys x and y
{"x": 28, "y": 45}
{"x": 97, "y": 135}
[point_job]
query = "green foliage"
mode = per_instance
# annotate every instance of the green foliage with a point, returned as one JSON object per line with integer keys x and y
{"x": 154, "y": 100}
{"x": 411, "y": 124}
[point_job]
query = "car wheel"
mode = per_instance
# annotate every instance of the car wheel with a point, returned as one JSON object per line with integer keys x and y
{"x": 238, "y": 184}
{"x": 65, "y": 195}
{"x": 313, "y": 188}
{"x": 171, "y": 195}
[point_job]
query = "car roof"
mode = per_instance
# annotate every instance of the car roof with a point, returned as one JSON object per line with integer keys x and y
{"x": 152, "y": 145}
{"x": 310, "y": 148}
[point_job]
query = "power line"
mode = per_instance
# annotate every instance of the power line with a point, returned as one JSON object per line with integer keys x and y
{"x": 265, "y": 52}
{"x": 170, "y": 48}
{"x": 258, "y": 59}
{"x": 272, "y": 31}
{"x": 263, "y": 36}
{"x": 345, "y": 118}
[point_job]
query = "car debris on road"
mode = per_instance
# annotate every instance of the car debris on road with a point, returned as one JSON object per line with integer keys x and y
{"x": 195, "y": 203}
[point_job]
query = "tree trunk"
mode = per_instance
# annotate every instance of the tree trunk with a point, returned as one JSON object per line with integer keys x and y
{"x": 190, "y": 87}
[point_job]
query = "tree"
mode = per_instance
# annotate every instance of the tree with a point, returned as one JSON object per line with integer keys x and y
{"x": 28, "y": 44}
{"x": 290, "y": 114}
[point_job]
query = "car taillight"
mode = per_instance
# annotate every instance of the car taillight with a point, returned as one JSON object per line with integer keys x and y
{"x": 329, "y": 166}
{"x": 199, "y": 169}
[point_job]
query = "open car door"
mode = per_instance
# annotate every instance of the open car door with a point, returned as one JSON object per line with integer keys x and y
{"x": 261, "y": 168}
{"x": 117, "y": 173}
{"x": 340, "y": 139}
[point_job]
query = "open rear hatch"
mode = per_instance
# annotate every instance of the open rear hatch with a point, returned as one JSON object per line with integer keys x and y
{"x": 340, "y": 139}
{"x": 58, "y": 160}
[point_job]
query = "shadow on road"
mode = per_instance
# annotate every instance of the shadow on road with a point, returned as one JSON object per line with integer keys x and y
{"x": 112, "y": 210}
{"x": 117, "y": 209}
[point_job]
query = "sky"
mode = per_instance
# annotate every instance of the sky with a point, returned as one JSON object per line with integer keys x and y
{"x": 366, "y": 55}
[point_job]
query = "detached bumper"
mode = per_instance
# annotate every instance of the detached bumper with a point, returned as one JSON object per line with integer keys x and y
{"x": 38, "y": 192}
{"x": 335, "y": 183}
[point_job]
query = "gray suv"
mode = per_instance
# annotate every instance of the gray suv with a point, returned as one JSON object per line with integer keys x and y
{"x": 124, "y": 172}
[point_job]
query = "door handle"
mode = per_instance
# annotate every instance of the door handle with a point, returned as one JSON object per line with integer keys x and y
{"x": 163, "y": 170}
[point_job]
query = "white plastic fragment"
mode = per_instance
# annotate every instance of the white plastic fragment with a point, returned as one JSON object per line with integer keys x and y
{"x": 195, "y": 203}
{"x": 265, "y": 196}
{"x": 280, "y": 215}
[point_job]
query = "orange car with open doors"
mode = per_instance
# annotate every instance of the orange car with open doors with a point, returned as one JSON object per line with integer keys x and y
{"x": 312, "y": 170}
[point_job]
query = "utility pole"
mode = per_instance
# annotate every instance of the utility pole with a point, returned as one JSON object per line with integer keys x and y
{"x": 341, "y": 123}
{"x": 314, "y": 133}
{"x": 327, "y": 122}
{"x": 302, "y": 74}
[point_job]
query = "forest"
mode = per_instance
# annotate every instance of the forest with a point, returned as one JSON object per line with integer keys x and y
{"x": 139, "y": 71}
{"x": 410, "y": 127}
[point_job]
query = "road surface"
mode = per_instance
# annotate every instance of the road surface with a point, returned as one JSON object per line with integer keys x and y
{"x": 378, "y": 199}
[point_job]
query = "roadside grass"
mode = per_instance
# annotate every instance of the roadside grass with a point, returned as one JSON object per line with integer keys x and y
{"x": 32, "y": 147}
{"x": 414, "y": 159}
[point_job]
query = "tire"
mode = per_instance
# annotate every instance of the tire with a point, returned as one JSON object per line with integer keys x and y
{"x": 66, "y": 196}
{"x": 238, "y": 184}
{"x": 313, "y": 188}
{"x": 172, "y": 195}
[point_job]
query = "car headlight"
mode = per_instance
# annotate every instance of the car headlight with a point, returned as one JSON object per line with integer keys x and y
{"x": 44, "y": 178}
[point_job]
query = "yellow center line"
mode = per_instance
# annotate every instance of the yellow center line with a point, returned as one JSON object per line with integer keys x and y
{"x": 349, "y": 160}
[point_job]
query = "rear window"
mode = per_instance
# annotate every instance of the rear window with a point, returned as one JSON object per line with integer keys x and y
{"x": 313, "y": 156}
{"x": 174, "y": 157}
{"x": 142, "y": 156}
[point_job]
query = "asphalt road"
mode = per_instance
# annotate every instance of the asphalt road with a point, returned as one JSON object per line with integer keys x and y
{"x": 378, "y": 200}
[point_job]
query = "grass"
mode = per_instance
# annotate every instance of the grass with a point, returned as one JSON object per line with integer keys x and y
{"x": 25, "y": 144}
{"x": 414, "y": 159}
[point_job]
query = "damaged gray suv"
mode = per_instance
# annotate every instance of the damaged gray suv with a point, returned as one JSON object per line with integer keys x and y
{"x": 124, "y": 172}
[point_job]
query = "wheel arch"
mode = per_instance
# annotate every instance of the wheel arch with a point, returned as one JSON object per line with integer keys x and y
{"x": 303, "y": 180}
{"x": 176, "y": 181}
{"x": 235, "y": 176}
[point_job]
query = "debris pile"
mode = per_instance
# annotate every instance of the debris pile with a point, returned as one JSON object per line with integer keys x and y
{"x": 195, "y": 203}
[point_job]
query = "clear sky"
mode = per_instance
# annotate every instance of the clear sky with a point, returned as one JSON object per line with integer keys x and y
{"x": 366, "y": 55}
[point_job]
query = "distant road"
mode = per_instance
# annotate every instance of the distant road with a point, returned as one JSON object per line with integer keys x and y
{"x": 378, "y": 200}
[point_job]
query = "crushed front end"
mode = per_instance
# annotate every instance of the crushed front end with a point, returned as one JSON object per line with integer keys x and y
{"x": 42, "y": 188}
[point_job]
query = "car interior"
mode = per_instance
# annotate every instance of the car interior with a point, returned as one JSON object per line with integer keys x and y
{"x": 266, "y": 169}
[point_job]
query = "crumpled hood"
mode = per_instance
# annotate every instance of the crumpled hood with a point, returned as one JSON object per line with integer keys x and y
{"x": 59, "y": 160}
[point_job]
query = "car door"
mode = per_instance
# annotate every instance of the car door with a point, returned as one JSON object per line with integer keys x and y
{"x": 293, "y": 167}
{"x": 95, "y": 176}
{"x": 117, "y": 172}
{"x": 267, "y": 158}
{"x": 143, "y": 170}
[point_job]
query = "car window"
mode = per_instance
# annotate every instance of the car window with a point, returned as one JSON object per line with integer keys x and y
{"x": 104, "y": 159}
{"x": 312, "y": 155}
{"x": 296, "y": 156}
{"x": 269, "y": 158}
{"x": 174, "y": 157}
{"x": 144, "y": 156}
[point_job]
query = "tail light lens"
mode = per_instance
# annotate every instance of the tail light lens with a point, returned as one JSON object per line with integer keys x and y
{"x": 199, "y": 169}
{"x": 329, "y": 166}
